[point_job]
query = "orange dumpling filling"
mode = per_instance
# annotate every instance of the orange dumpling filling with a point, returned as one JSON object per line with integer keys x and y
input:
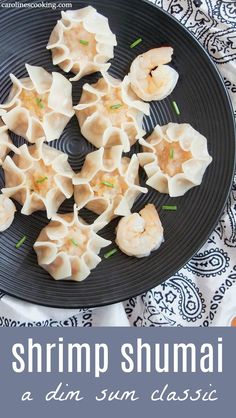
{"x": 36, "y": 103}
{"x": 171, "y": 157}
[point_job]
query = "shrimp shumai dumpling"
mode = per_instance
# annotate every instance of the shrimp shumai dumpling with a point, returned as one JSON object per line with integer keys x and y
{"x": 175, "y": 158}
{"x": 68, "y": 248}
{"x": 39, "y": 178}
{"x": 108, "y": 184}
{"x": 38, "y": 106}
{"x": 109, "y": 113}
{"x": 82, "y": 42}
{"x": 150, "y": 76}
{"x": 6, "y": 144}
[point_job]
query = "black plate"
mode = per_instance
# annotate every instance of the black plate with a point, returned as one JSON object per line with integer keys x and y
{"x": 203, "y": 102}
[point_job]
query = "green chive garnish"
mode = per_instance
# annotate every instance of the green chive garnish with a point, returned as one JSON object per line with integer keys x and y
{"x": 83, "y": 42}
{"x": 116, "y": 106}
{"x": 171, "y": 153}
{"x": 110, "y": 253}
{"x": 106, "y": 183}
{"x": 175, "y": 107}
{"x": 75, "y": 243}
{"x": 21, "y": 242}
{"x": 135, "y": 43}
{"x": 166, "y": 207}
{"x": 42, "y": 180}
{"x": 39, "y": 103}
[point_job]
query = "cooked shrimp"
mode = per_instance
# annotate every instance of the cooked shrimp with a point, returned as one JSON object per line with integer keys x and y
{"x": 140, "y": 233}
{"x": 7, "y": 212}
{"x": 151, "y": 79}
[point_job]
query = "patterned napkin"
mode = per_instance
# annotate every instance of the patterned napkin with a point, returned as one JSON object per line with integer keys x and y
{"x": 203, "y": 293}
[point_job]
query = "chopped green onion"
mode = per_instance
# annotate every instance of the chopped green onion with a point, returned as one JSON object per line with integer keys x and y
{"x": 116, "y": 106}
{"x": 135, "y": 43}
{"x": 21, "y": 242}
{"x": 106, "y": 183}
{"x": 110, "y": 253}
{"x": 171, "y": 153}
{"x": 175, "y": 107}
{"x": 39, "y": 103}
{"x": 83, "y": 42}
{"x": 75, "y": 243}
{"x": 166, "y": 207}
{"x": 42, "y": 180}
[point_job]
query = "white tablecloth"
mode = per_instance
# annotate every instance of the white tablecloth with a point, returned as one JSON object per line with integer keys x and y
{"x": 203, "y": 293}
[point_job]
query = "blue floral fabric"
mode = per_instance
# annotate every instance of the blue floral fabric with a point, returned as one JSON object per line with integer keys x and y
{"x": 203, "y": 293}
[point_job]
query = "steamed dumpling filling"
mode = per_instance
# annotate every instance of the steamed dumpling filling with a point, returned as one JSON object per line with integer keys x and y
{"x": 171, "y": 157}
{"x": 108, "y": 184}
{"x": 110, "y": 105}
{"x": 76, "y": 241}
{"x": 37, "y": 104}
{"x": 81, "y": 43}
{"x": 41, "y": 178}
